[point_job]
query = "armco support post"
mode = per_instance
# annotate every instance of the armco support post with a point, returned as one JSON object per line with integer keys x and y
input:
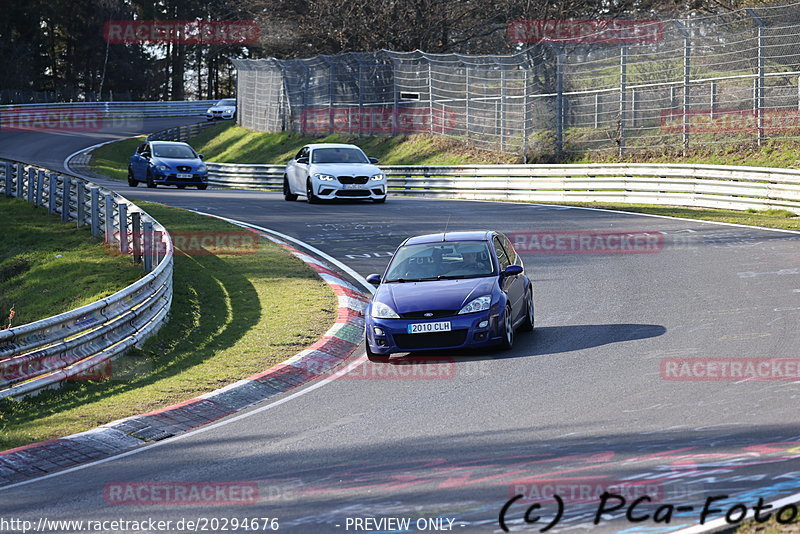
{"x": 147, "y": 229}
{"x": 20, "y": 177}
{"x": 31, "y": 184}
{"x": 9, "y": 176}
{"x": 136, "y": 232}
{"x": 122, "y": 207}
{"x": 80, "y": 202}
{"x": 39, "y": 201}
{"x": 108, "y": 208}
{"x": 66, "y": 198}
{"x": 52, "y": 192}
{"x": 95, "y": 213}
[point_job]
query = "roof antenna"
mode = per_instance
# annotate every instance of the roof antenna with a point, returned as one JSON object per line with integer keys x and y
{"x": 445, "y": 227}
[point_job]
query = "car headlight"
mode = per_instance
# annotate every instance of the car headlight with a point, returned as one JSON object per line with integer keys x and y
{"x": 382, "y": 311}
{"x": 202, "y": 168}
{"x": 162, "y": 168}
{"x": 324, "y": 177}
{"x": 377, "y": 177}
{"x": 479, "y": 304}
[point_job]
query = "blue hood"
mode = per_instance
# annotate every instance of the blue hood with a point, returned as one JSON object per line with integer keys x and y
{"x": 409, "y": 297}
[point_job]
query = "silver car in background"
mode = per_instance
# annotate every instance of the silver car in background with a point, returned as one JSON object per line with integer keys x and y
{"x": 224, "y": 109}
{"x": 327, "y": 171}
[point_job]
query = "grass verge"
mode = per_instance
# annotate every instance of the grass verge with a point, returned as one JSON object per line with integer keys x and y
{"x": 48, "y": 267}
{"x": 232, "y": 316}
{"x": 112, "y": 159}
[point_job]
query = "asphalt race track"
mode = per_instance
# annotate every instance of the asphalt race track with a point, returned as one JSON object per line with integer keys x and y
{"x": 581, "y": 403}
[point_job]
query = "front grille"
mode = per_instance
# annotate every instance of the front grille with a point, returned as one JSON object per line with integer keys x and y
{"x": 421, "y": 314}
{"x": 353, "y": 179}
{"x": 431, "y": 340}
{"x": 184, "y": 168}
{"x": 353, "y": 193}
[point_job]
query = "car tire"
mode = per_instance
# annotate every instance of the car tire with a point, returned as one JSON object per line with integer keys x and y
{"x": 287, "y": 194}
{"x": 312, "y": 198}
{"x": 527, "y": 323}
{"x": 508, "y": 330}
{"x": 202, "y": 187}
{"x": 377, "y": 358}
{"x": 131, "y": 180}
{"x": 150, "y": 183}
{"x": 379, "y": 200}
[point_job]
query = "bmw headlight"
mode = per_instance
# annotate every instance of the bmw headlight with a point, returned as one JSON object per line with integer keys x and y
{"x": 162, "y": 168}
{"x": 479, "y": 304}
{"x": 324, "y": 177}
{"x": 382, "y": 311}
{"x": 378, "y": 177}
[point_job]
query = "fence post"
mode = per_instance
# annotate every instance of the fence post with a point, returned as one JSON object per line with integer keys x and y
{"x": 108, "y": 208}
{"x": 39, "y": 188}
{"x": 502, "y": 110}
{"x": 95, "y": 213}
{"x": 9, "y": 173}
{"x": 597, "y": 110}
{"x": 559, "y": 100}
{"x": 430, "y": 96}
{"x": 713, "y": 103}
{"x": 467, "y": 99}
{"x": 148, "y": 246}
{"x": 758, "y": 101}
{"x": 687, "y": 73}
{"x": 136, "y": 231}
{"x": 633, "y": 107}
{"x": 158, "y": 247}
{"x": 623, "y": 81}
{"x": 52, "y": 192}
{"x": 526, "y": 119}
{"x": 122, "y": 207}
{"x": 31, "y": 184}
{"x": 20, "y": 177}
{"x": 66, "y": 198}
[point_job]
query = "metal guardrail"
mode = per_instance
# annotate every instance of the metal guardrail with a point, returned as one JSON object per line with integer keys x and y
{"x": 180, "y": 133}
{"x": 714, "y": 186}
{"x": 44, "y": 353}
{"x": 15, "y": 114}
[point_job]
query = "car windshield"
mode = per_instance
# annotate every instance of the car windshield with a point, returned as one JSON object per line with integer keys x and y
{"x": 173, "y": 151}
{"x": 441, "y": 261}
{"x": 227, "y": 102}
{"x": 338, "y": 155}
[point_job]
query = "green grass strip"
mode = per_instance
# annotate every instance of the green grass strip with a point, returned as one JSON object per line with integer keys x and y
{"x": 232, "y": 315}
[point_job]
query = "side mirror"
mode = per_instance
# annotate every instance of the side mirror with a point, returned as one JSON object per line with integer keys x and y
{"x": 303, "y": 161}
{"x": 373, "y": 160}
{"x": 200, "y": 156}
{"x": 374, "y": 279}
{"x": 512, "y": 270}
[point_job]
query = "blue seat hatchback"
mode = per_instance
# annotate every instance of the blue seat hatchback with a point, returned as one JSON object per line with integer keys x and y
{"x": 167, "y": 163}
{"x": 449, "y": 290}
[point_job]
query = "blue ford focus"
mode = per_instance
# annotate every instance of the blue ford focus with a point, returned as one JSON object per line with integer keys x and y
{"x": 449, "y": 291}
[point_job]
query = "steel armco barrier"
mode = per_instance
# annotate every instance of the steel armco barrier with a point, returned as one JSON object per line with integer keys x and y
{"x": 180, "y": 133}
{"x": 42, "y": 354}
{"x": 711, "y": 186}
{"x": 110, "y": 110}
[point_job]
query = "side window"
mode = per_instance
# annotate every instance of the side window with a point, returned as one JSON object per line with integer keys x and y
{"x": 515, "y": 259}
{"x": 501, "y": 254}
{"x": 140, "y": 149}
{"x": 146, "y": 150}
{"x": 303, "y": 152}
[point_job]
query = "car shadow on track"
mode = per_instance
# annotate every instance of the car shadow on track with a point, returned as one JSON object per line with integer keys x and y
{"x": 546, "y": 340}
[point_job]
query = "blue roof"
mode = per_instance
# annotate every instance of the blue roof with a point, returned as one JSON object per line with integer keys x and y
{"x": 480, "y": 235}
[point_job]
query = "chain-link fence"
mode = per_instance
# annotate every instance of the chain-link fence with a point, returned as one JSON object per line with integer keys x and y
{"x": 697, "y": 81}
